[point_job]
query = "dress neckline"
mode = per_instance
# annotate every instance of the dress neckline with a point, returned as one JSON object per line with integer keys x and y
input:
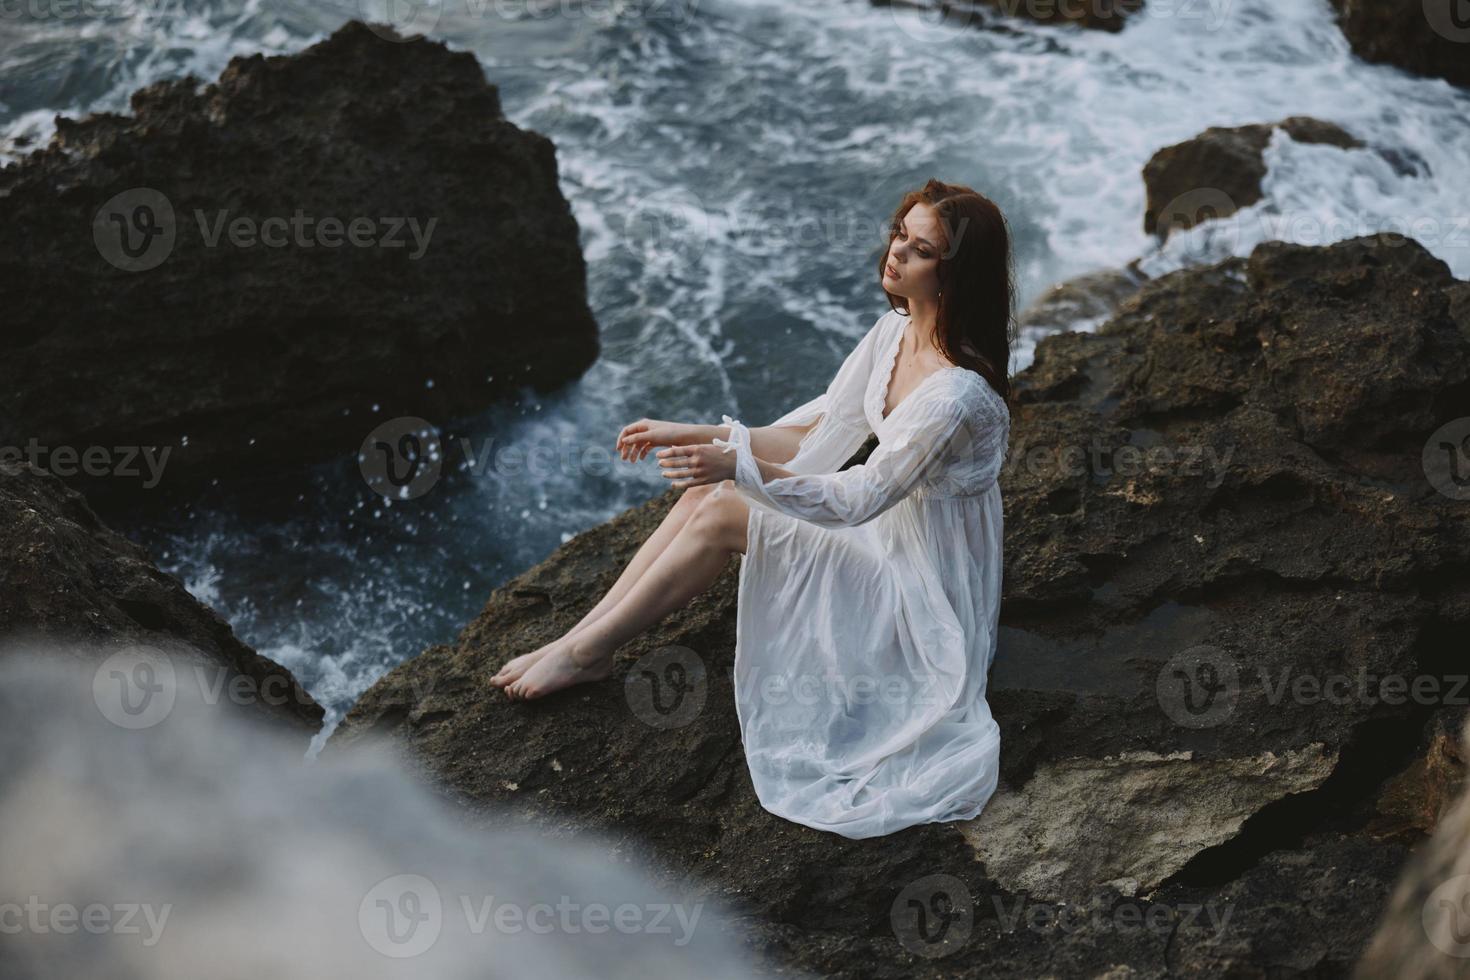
{"x": 893, "y": 363}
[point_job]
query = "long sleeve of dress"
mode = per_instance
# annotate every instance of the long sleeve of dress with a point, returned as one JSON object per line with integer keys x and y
{"x": 828, "y": 443}
{"x": 920, "y": 446}
{"x": 841, "y": 425}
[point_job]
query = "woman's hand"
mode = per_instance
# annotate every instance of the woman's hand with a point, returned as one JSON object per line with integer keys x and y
{"x": 638, "y": 437}
{"x": 690, "y": 466}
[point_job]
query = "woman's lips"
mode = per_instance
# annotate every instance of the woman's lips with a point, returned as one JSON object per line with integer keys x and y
{"x": 892, "y": 272}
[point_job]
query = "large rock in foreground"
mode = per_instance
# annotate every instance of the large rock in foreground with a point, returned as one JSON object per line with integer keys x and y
{"x": 259, "y": 272}
{"x": 71, "y": 587}
{"x": 1218, "y": 519}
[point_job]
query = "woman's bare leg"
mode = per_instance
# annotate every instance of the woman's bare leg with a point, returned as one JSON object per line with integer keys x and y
{"x": 687, "y": 566}
{"x": 673, "y": 521}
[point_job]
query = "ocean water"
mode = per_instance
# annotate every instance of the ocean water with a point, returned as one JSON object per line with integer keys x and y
{"x": 730, "y": 163}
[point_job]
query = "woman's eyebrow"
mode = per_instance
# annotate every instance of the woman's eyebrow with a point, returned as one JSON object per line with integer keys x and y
{"x": 904, "y": 224}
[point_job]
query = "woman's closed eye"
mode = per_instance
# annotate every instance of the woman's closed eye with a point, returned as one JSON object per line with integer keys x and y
{"x": 923, "y": 252}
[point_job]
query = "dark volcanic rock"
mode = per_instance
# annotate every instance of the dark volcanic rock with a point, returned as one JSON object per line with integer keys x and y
{"x": 1460, "y": 305}
{"x": 1184, "y": 734}
{"x": 1218, "y": 172}
{"x": 276, "y": 350}
{"x": 70, "y": 586}
{"x": 1428, "y": 38}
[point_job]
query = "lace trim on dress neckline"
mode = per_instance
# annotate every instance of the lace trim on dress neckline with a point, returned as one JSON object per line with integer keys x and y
{"x": 882, "y": 398}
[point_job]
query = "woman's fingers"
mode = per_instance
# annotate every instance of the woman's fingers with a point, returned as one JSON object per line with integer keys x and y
{"x": 626, "y": 444}
{"x": 673, "y": 462}
{"x": 680, "y": 465}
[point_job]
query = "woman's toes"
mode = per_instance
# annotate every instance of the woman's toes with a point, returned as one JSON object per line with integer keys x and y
{"x": 514, "y": 668}
{"x": 558, "y": 670}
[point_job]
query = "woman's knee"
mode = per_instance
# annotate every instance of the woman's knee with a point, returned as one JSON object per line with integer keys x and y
{"x": 721, "y": 516}
{"x": 694, "y": 496}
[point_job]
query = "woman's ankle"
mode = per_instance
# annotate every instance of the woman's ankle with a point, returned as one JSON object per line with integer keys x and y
{"x": 587, "y": 654}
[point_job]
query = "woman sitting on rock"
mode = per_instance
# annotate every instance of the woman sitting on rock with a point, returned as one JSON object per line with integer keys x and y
{"x": 869, "y": 595}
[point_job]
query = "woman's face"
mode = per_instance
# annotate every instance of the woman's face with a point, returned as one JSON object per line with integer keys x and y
{"x": 912, "y": 270}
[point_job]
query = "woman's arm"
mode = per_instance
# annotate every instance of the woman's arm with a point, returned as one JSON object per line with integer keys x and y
{"x": 777, "y": 443}
{"x": 780, "y": 440}
{"x": 931, "y": 435}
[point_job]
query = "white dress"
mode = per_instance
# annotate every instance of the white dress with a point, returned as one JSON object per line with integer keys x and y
{"x": 869, "y": 599}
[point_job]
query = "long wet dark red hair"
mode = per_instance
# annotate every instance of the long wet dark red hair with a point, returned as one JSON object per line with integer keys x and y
{"x": 977, "y": 293}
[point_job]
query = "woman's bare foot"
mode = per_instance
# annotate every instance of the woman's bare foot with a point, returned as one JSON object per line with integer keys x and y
{"x": 567, "y": 663}
{"x": 517, "y": 666}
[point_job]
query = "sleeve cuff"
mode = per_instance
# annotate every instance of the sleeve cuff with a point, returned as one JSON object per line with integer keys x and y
{"x": 747, "y": 473}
